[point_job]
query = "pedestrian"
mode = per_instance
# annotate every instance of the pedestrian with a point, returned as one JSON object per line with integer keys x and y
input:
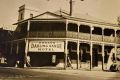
{"x": 17, "y": 63}
{"x": 28, "y": 61}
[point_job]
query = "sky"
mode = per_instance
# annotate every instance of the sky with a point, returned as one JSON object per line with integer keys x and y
{"x": 107, "y": 10}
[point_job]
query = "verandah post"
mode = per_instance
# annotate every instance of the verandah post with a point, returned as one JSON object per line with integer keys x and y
{"x": 66, "y": 52}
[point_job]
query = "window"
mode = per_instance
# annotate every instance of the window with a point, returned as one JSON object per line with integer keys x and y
{"x": 21, "y": 16}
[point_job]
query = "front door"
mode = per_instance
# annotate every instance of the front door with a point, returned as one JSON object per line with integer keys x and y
{"x": 95, "y": 57}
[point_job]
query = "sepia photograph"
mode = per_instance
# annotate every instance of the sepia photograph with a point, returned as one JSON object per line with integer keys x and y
{"x": 59, "y": 39}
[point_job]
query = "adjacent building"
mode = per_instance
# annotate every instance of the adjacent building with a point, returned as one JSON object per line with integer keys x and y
{"x": 6, "y": 36}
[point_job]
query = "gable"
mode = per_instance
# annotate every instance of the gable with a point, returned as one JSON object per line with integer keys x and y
{"x": 47, "y": 15}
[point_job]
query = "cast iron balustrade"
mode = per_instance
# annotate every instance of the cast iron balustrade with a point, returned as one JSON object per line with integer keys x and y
{"x": 118, "y": 40}
{"x": 70, "y": 34}
{"x": 47, "y": 34}
{"x": 53, "y": 34}
{"x": 96, "y": 37}
{"x": 84, "y": 36}
{"x": 109, "y": 39}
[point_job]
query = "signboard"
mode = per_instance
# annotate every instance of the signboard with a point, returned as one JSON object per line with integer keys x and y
{"x": 46, "y": 46}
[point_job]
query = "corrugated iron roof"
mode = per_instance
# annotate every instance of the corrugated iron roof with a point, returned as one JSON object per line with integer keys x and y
{"x": 79, "y": 17}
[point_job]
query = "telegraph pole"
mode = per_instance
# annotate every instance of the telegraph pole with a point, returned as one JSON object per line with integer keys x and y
{"x": 71, "y": 6}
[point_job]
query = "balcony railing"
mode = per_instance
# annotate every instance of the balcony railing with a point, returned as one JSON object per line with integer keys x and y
{"x": 109, "y": 39}
{"x": 48, "y": 34}
{"x": 70, "y": 34}
{"x": 118, "y": 40}
{"x": 96, "y": 37}
{"x": 83, "y": 36}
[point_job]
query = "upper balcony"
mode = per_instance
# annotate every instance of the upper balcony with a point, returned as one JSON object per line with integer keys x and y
{"x": 52, "y": 34}
{"x": 55, "y": 29}
{"x": 70, "y": 34}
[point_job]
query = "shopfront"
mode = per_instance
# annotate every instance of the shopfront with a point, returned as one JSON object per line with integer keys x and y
{"x": 45, "y": 52}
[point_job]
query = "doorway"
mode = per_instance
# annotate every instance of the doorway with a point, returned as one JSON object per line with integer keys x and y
{"x": 45, "y": 59}
{"x": 95, "y": 57}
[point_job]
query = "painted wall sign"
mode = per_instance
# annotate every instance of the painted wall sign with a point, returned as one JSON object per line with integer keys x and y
{"x": 46, "y": 46}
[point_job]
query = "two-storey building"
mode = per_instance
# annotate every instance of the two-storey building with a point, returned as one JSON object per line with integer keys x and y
{"x": 60, "y": 40}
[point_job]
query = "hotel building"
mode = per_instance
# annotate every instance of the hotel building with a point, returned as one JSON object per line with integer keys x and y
{"x": 62, "y": 41}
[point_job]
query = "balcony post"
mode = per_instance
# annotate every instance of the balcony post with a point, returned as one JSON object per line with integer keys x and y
{"x": 103, "y": 47}
{"x": 102, "y": 34}
{"x": 91, "y": 29}
{"x": 78, "y": 61}
{"x": 115, "y": 50}
{"x": 115, "y": 43}
{"x": 26, "y": 52}
{"x": 91, "y": 47}
{"x": 28, "y": 27}
{"x": 11, "y": 50}
{"x": 115, "y": 36}
{"x": 91, "y": 50}
{"x": 6, "y": 49}
{"x": 78, "y": 30}
{"x": 66, "y": 28}
{"x": 78, "y": 27}
{"x": 66, "y": 53}
{"x": 17, "y": 50}
{"x": 66, "y": 25}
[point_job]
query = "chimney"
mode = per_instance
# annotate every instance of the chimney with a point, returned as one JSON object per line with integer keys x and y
{"x": 31, "y": 15}
{"x": 21, "y": 12}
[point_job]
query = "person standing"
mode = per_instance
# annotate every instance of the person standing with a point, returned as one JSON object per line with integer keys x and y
{"x": 28, "y": 61}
